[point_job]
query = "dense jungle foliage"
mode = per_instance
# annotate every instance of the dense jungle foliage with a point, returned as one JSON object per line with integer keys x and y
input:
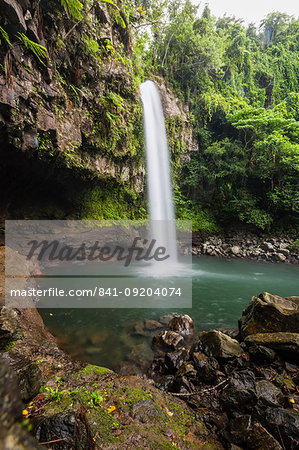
{"x": 241, "y": 85}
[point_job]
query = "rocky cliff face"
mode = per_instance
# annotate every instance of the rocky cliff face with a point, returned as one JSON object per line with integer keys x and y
{"x": 70, "y": 115}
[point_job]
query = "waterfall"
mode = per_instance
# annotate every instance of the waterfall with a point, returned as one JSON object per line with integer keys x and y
{"x": 161, "y": 207}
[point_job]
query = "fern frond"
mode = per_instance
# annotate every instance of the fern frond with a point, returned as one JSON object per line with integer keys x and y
{"x": 73, "y": 8}
{"x": 5, "y": 35}
{"x": 39, "y": 51}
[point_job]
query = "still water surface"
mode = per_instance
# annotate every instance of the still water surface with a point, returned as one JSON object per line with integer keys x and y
{"x": 221, "y": 290}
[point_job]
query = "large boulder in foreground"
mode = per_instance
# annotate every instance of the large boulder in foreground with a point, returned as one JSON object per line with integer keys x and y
{"x": 285, "y": 343}
{"x": 12, "y": 434}
{"x": 217, "y": 344}
{"x": 269, "y": 313}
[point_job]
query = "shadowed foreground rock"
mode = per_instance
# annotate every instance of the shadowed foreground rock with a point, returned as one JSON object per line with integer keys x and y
{"x": 12, "y": 434}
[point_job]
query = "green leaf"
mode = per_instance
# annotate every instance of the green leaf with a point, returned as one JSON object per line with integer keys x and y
{"x": 39, "y": 51}
{"x": 5, "y": 35}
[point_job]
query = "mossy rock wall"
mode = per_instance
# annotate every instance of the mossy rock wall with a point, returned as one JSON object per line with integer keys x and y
{"x": 71, "y": 129}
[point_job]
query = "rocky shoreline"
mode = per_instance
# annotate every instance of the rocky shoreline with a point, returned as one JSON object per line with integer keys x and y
{"x": 245, "y": 380}
{"x": 247, "y": 246}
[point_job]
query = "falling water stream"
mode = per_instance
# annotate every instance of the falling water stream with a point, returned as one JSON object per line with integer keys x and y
{"x": 158, "y": 170}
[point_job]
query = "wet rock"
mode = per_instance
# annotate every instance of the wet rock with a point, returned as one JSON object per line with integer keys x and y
{"x": 8, "y": 326}
{"x": 235, "y": 250}
{"x": 61, "y": 425}
{"x": 168, "y": 340}
{"x": 182, "y": 324}
{"x": 166, "y": 318}
{"x": 128, "y": 368}
{"x": 216, "y": 344}
{"x": 12, "y": 434}
{"x": 261, "y": 355}
{"x": 157, "y": 368}
{"x": 141, "y": 355}
{"x": 206, "y": 367}
{"x": 240, "y": 394}
{"x": 151, "y": 325}
{"x": 239, "y": 429}
{"x": 259, "y": 438}
{"x": 17, "y": 438}
{"x": 145, "y": 411}
{"x": 278, "y": 257}
{"x": 139, "y": 329}
{"x": 283, "y": 423}
{"x": 185, "y": 378}
{"x": 175, "y": 360}
{"x": 267, "y": 246}
{"x": 285, "y": 343}
{"x": 10, "y": 405}
{"x": 165, "y": 383}
{"x": 231, "y": 332}
{"x": 30, "y": 381}
{"x": 269, "y": 313}
{"x": 182, "y": 385}
{"x": 13, "y": 11}
{"x": 269, "y": 394}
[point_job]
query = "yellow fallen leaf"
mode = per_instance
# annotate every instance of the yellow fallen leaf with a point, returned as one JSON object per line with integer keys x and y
{"x": 169, "y": 413}
{"x": 25, "y": 412}
{"x": 111, "y": 409}
{"x": 292, "y": 400}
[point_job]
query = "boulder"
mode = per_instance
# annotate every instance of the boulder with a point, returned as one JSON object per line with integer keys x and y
{"x": 174, "y": 360}
{"x": 268, "y": 393}
{"x": 166, "y": 318}
{"x": 13, "y": 11}
{"x": 182, "y": 324}
{"x": 259, "y": 438}
{"x": 151, "y": 325}
{"x": 235, "y": 250}
{"x": 285, "y": 343}
{"x": 18, "y": 438}
{"x": 187, "y": 370}
{"x": 8, "y": 326}
{"x": 217, "y": 344}
{"x": 30, "y": 381}
{"x": 10, "y": 405}
{"x": 239, "y": 429}
{"x": 139, "y": 330}
{"x": 63, "y": 426}
{"x": 141, "y": 355}
{"x": 270, "y": 313}
{"x": 165, "y": 383}
{"x": 206, "y": 367}
{"x": 261, "y": 355}
{"x": 240, "y": 394}
{"x": 168, "y": 340}
{"x": 283, "y": 424}
{"x": 12, "y": 434}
